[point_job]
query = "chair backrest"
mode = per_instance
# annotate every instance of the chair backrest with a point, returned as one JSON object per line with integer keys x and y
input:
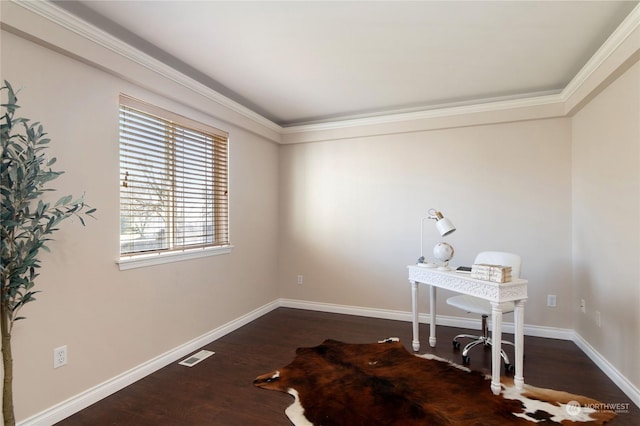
{"x": 501, "y": 258}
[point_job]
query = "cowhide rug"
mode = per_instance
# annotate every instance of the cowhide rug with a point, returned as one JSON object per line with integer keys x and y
{"x": 382, "y": 383}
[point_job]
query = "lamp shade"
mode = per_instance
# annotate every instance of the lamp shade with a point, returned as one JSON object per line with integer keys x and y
{"x": 444, "y": 226}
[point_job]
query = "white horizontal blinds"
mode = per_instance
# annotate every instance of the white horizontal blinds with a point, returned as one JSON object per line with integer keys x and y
{"x": 173, "y": 175}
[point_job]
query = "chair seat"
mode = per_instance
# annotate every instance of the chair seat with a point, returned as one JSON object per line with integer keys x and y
{"x": 476, "y": 305}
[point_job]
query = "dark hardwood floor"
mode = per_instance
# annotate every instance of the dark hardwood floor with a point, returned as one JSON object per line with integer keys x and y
{"x": 219, "y": 390}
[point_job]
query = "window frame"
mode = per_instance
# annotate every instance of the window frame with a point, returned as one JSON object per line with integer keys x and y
{"x": 220, "y": 202}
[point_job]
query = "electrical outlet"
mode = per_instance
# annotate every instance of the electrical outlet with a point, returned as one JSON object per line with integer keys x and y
{"x": 598, "y": 319}
{"x": 300, "y": 279}
{"x": 583, "y": 306}
{"x": 551, "y": 300}
{"x": 60, "y": 356}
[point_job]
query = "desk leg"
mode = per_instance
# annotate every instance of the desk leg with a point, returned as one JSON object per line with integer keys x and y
{"x": 496, "y": 347}
{"x": 414, "y": 311}
{"x": 432, "y": 312}
{"x": 518, "y": 378}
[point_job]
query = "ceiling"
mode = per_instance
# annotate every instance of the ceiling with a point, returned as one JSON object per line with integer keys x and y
{"x": 300, "y": 62}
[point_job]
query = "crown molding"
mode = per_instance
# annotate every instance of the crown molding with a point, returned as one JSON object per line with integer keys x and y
{"x": 90, "y": 32}
{"x": 586, "y": 74}
{"x": 434, "y": 113}
{"x": 611, "y": 45}
{"x": 534, "y": 105}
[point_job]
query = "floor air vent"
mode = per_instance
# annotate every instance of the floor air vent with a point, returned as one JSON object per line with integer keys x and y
{"x": 196, "y": 358}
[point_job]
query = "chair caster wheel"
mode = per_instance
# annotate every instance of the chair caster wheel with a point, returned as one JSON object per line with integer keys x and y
{"x": 509, "y": 368}
{"x": 465, "y": 360}
{"x": 456, "y": 345}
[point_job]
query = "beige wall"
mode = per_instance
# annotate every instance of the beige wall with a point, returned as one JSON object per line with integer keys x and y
{"x": 114, "y": 320}
{"x": 344, "y": 213}
{"x": 351, "y": 212}
{"x": 606, "y": 222}
{"x": 351, "y": 209}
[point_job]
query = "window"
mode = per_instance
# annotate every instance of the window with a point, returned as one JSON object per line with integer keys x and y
{"x": 173, "y": 182}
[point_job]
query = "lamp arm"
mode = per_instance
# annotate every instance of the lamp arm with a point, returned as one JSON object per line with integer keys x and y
{"x": 422, "y": 238}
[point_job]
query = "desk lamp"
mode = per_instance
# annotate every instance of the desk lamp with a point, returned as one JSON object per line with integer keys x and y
{"x": 442, "y": 251}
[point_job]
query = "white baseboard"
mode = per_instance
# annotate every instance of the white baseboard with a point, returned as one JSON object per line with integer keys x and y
{"x": 468, "y": 323}
{"x": 616, "y": 377}
{"x": 76, "y": 403}
{"x": 345, "y": 309}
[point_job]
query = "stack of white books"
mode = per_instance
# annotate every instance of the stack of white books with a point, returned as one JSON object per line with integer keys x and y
{"x": 493, "y": 273}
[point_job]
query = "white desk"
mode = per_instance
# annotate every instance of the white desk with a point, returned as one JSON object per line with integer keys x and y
{"x": 514, "y": 291}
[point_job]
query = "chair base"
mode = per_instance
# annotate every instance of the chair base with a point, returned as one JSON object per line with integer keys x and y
{"x": 483, "y": 340}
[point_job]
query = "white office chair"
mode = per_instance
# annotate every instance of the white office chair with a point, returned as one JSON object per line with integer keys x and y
{"x": 475, "y": 305}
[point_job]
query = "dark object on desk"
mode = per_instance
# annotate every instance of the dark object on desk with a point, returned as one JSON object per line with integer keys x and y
{"x": 464, "y": 269}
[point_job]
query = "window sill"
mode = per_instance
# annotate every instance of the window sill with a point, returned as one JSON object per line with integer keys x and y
{"x": 141, "y": 261}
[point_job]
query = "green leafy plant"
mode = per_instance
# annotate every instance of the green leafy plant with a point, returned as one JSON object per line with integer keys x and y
{"x": 27, "y": 221}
